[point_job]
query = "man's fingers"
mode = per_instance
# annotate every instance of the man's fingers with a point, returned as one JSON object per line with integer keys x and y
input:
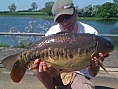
{"x": 94, "y": 62}
{"x": 101, "y": 55}
{"x": 41, "y": 67}
{"x": 36, "y": 61}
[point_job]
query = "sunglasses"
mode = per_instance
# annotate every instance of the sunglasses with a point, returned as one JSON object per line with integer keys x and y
{"x": 63, "y": 17}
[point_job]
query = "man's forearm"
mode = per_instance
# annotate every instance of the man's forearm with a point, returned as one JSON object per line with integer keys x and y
{"x": 93, "y": 70}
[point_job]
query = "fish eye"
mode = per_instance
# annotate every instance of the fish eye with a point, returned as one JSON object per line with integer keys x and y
{"x": 108, "y": 44}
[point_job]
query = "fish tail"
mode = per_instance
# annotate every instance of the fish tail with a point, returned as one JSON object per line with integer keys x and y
{"x": 17, "y": 66}
{"x": 18, "y": 71}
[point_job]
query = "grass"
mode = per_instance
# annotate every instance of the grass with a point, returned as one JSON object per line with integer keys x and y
{"x": 23, "y": 45}
{"x": 45, "y": 16}
{"x": 20, "y": 45}
{"x": 4, "y": 45}
{"x": 28, "y": 14}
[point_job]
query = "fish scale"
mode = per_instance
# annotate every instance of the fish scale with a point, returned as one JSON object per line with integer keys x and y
{"x": 55, "y": 54}
{"x": 66, "y": 51}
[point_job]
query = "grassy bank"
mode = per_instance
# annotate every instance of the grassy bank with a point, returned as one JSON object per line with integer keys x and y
{"x": 28, "y": 14}
{"x": 45, "y": 16}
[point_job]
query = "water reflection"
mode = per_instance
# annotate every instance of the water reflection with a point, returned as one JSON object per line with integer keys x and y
{"x": 103, "y": 27}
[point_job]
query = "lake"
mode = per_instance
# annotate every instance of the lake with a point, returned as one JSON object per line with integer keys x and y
{"x": 28, "y": 24}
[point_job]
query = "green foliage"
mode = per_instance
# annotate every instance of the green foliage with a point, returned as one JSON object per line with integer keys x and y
{"x": 23, "y": 45}
{"x": 108, "y": 10}
{"x": 4, "y": 45}
{"x": 34, "y": 6}
{"x": 48, "y": 7}
{"x": 115, "y": 1}
{"x": 89, "y": 11}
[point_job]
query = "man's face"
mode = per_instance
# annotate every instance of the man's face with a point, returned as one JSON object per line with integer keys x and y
{"x": 67, "y": 22}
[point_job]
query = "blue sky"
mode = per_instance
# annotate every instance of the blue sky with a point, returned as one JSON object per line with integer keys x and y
{"x": 25, "y": 4}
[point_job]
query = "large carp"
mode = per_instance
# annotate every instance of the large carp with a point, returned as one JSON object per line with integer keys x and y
{"x": 66, "y": 51}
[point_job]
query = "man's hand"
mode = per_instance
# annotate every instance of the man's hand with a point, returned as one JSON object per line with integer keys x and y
{"x": 94, "y": 64}
{"x": 43, "y": 67}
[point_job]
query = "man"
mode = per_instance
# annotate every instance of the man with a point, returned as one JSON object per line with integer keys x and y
{"x": 66, "y": 16}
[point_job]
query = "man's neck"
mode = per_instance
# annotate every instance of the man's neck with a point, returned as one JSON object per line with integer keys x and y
{"x": 75, "y": 28}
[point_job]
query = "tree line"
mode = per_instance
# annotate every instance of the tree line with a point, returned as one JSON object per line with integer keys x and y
{"x": 106, "y": 10}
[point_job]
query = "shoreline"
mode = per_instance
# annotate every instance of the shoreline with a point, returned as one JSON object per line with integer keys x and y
{"x": 51, "y": 17}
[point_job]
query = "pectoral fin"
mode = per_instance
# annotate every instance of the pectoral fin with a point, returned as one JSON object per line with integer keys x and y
{"x": 66, "y": 77}
{"x": 102, "y": 66}
{"x": 100, "y": 62}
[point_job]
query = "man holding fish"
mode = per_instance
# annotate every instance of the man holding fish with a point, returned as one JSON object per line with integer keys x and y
{"x": 66, "y": 16}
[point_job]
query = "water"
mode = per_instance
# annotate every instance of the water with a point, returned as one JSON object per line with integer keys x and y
{"x": 27, "y": 24}
{"x": 22, "y": 24}
{"x": 103, "y": 27}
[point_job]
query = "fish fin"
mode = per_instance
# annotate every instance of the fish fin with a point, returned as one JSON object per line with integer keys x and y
{"x": 100, "y": 62}
{"x": 16, "y": 65}
{"x": 95, "y": 55}
{"x": 102, "y": 66}
{"x": 66, "y": 77}
{"x": 18, "y": 71}
{"x": 9, "y": 61}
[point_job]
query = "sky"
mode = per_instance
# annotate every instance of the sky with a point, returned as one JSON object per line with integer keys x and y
{"x": 26, "y": 4}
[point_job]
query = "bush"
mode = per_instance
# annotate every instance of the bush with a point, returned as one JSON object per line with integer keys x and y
{"x": 4, "y": 45}
{"x": 23, "y": 45}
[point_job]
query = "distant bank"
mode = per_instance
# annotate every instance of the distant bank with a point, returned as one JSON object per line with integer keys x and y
{"x": 45, "y": 16}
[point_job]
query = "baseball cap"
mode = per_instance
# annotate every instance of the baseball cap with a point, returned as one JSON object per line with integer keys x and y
{"x": 62, "y": 7}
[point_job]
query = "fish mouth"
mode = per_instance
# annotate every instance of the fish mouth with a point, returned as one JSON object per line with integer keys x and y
{"x": 108, "y": 52}
{"x": 113, "y": 47}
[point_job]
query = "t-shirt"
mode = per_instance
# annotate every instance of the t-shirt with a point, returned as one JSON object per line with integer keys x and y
{"x": 82, "y": 28}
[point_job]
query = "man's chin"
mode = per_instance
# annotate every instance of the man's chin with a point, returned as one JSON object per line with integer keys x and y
{"x": 68, "y": 30}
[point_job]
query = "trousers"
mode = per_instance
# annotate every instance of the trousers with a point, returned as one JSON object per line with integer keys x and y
{"x": 78, "y": 82}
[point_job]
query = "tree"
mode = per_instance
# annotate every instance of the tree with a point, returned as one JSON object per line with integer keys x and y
{"x": 115, "y": 1}
{"x": 48, "y": 7}
{"x": 86, "y": 11}
{"x": 12, "y": 7}
{"x": 116, "y": 7}
{"x": 107, "y": 10}
{"x": 34, "y": 6}
{"x": 29, "y": 10}
{"x": 94, "y": 10}
{"x": 89, "y": 10}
